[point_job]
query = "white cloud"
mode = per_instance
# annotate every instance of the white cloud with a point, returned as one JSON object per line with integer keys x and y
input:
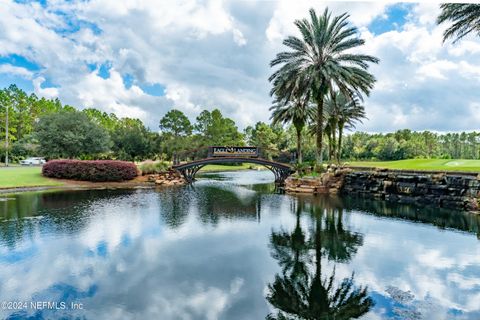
{"x": 19, "y": 71}
{"x": 45, "y": 92}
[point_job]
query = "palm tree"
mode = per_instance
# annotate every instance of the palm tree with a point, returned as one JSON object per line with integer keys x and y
{"x": 465, "y": 18}
{"x": 322, "y": 58}
{"x": 350, "y": 111}
{"x": 290, "y": 106}
{"x": 341, "y": 112}
{"x": 331, "y": 116}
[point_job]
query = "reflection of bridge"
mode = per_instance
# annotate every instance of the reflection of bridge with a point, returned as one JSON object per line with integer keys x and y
{"x": 221, "y": 155}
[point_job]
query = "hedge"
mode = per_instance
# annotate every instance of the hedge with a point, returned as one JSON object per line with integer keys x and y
{"x": 86, "y": 170}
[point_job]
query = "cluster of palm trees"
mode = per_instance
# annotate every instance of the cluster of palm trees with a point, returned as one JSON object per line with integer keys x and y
{"x": 320, "y": 82}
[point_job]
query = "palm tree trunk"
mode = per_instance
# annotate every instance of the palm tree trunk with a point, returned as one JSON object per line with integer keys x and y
{"x": 329, "y": 137}
{"x": 319, "y": 131}
{"x": 299, "y": 145}
{"x": 339, "y": 147}
{"x": 334, "y": 142}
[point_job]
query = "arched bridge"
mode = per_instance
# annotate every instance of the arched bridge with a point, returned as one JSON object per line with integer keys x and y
{"x": 219, "y": 155}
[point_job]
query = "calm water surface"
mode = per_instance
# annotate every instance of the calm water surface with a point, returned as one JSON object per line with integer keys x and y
{"x": 230, "y": 247}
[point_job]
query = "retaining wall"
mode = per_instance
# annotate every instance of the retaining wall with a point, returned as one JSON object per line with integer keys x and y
{"x": 447, "y": 190}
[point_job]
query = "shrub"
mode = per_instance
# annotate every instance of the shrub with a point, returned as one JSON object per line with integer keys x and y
{"x": 153, "y": 167}
{"x": 97, "y": 170}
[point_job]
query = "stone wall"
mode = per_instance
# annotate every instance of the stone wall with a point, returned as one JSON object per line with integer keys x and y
{"x": 453, "y": 190}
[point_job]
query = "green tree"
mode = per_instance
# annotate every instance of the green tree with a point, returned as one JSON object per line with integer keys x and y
{"x": 298, "y": 113}
{"x": 341, "y": 112}
{"x": 291, "y": 104}
{"x": 323, "y": 58}
{"x": 176, "y": 123}
{"x": 263, "y": 137}
{"x": 176, "y": 129}
{"x": 132, "y": 140}
{"x": 70, "y": 135}
{"x": 465, "y": 19}
{"x": 215, "y": 129}
{"x": 107, "y": 121}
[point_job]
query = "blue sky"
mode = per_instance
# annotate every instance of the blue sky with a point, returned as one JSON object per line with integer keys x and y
{"x": 140, "y": 60}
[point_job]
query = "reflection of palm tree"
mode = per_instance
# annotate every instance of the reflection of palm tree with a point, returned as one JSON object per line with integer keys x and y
{"x": 291, "y": 250}
{"x": 340, "y": 244}
{"x": 300, "y": 292}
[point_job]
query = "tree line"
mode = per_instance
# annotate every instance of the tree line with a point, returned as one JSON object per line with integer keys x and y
{"x": 407, "y": 144}
{"x": 46, "y": 127}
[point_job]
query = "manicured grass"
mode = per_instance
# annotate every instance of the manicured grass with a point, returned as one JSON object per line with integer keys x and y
{"x": 423, "y": 164}
{"x": 13, "y": 177}
{"x": 220, "y": 167}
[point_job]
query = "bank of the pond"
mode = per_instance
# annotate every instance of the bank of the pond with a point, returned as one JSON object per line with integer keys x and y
{"x": 459, "y": 190}
{"x": 16, "y": 179}
{"x": 23, "y": 179}
{"x": 62, "y": 184}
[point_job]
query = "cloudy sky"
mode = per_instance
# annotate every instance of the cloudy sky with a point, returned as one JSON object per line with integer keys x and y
{"x": 140, "y": 58}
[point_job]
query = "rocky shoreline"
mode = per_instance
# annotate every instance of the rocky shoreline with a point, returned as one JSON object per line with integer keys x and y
{"x": 168, "y": 178}
{"x": 446, "y": 190}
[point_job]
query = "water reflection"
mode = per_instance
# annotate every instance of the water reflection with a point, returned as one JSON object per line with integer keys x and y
{"x": 50, "y": 212}
{"x": 440, "y": 217}
{"x": 301, "y": 291}
{"x": 235, "y": 249}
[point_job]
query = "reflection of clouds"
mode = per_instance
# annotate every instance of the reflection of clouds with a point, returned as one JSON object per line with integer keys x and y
{"x": 144, "y": 269}
{"x": 464, "y": 282}
{"x": 434, "y": 259}
{"x": 421, "y": 259}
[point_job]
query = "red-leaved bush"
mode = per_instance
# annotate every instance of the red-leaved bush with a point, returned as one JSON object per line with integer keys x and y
{"x": 86, "y": 170}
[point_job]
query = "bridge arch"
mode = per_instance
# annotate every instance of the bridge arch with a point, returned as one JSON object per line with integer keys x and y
{"x": 188, "y": 170}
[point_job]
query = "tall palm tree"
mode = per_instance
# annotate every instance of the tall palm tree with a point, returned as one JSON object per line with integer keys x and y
{"x": 465, "y": 18}
{"x": 322, "y": 57}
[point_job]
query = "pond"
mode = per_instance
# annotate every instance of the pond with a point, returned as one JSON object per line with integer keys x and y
{"x": 232, "y": 247}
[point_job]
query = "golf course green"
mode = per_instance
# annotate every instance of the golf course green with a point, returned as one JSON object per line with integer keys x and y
{"x": 423, "y": 164}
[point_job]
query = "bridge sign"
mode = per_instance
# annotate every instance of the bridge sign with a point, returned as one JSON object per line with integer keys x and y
{"x": 250, "y": 152}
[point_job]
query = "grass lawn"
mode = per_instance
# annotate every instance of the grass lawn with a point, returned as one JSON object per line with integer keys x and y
{"x": 423, "y": 164}
{"x": 12, "y": 177}
{"x": 220, "y": 167}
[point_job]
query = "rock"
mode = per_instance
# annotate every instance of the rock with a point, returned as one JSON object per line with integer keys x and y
{"x": 441, "y": 189}
{"x": 311, "y": 182}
